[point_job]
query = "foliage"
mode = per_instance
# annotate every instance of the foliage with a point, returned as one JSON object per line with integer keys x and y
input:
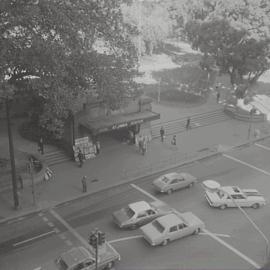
{"x": 151, "y": 22}
{"x": 50, "y": 50}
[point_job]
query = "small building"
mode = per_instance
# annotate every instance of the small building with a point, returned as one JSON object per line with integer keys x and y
{"x": 98, "y": 123}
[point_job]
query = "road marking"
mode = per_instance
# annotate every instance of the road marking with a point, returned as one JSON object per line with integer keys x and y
{"x": 33, "y": 238}
{"x": 125, "y": 238}
{"x": 70, "y": 229}
{"x": 217, "y": 234}
{"x": 262, "y": 146}
{"x": 237, "y": 252}
{"x": 247, "y": 164}
{"x": 145, "y": 192}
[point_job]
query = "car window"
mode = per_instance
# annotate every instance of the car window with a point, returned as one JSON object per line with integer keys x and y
{"x": 238, "y": 196}
{"x": 88, "y": 263}
{"x": 174, "y": 181}
{"x": 141, "y": 215}
{"x": 129, "y": 212}
{"x": 165, "y": 179}
{"x": 158, "y": 226}
{"x": 79, "y": 266}
{"x": 61, "y": 264}
{"x": 150, "y": 212}
{"x": 173, "y": 229}
{"x": 182, "y": 226}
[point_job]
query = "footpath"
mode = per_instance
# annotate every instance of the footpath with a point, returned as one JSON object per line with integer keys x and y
{"x": 122, "y": 163}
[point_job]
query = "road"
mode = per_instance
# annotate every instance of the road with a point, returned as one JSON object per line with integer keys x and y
{"x": 229, "y": 242}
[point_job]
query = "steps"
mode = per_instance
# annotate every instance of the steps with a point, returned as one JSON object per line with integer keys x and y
{"x": 197, "y": 120}
{"x": 56, "y": 157}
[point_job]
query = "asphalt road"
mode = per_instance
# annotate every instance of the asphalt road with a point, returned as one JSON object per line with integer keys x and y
{"x": 230, "y": 241}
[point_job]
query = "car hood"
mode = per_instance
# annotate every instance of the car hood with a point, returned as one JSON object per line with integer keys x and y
{"x": 159, "y": 183}
{"x": 150, "y": 231}
{"x": 192, "y": 220}
{"x": 212, "y": 196}
{"x": 120, "y": 217}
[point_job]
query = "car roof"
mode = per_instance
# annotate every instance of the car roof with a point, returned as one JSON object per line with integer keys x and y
{"x": 170, "y": 220}
{"x": 139, "y": 206}
{"x": 171, "y": 175}
{"x": 75, "y": 255}
{"x": 232, "y": 190}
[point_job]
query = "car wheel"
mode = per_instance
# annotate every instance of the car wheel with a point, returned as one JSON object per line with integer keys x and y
{"x": 110, "y": 265}
{"x": 169, "y": 191}
{"x": 165, "y": 242}
{"x": 255, "y": 206}
{"x": 223, "y": 206}
{"x": 197, "y": 231}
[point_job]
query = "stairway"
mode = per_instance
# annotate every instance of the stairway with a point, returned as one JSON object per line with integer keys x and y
{"x": 197, "y": 120}
{"x": 56, "y": 157}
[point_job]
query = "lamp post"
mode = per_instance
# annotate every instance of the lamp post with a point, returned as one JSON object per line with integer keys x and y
{"x": 251, "y": 113}
{"x": 215, "y": 186}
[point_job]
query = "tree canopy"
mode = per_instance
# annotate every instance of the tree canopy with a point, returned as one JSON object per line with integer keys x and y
{"x": 60, "y": 51}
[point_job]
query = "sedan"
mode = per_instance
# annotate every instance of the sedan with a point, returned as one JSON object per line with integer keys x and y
{"x": 139, "y": 213}
{"x": 172, "y": 181}
{"x": 171, "y": 227}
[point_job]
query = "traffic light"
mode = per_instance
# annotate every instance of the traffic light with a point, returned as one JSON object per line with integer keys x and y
{"x": 93, "y": 240}
{"x": 101, "y": 238}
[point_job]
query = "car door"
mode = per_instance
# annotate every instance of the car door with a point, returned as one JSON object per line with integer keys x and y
{"x": 183, "y": 230}
{"x": 174, "y": 184}
{"x": 181, "y": 182}
{"x": 142, "y": 218}
{"x": 173, "y": 232}
{"x": 240, "y": 200}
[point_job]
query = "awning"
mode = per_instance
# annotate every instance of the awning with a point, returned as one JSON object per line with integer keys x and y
{"x": 115, "y": 122}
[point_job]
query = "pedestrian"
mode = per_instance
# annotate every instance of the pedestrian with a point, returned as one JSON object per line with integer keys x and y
{"x": 97, "y": 147}
{"x": 84, "y": 184}
{"x": 144, "y": 146}
{"x": 80, "y": 157}
{"x": 173, "y": 142}
{"x": 41, "y": 146}
{"x": 162, "y": 133}
{"x": 218, "y": 94}
{"x": 188, "y": 123}
{"x": 140, "y": 144}
{"x": 20, "y": 181}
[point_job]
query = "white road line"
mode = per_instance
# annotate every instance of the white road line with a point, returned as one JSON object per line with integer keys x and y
{"x": 217, "y": 234}
{"x": 125, "y": 238}
{"x": 262, "y": 146}
{"x": 237, "y": 252}
{"x": 145, "y": 192}
{"x": 33, "y": 238}
{"x": 70, "y": 229}
{"x": 247, "y": 164}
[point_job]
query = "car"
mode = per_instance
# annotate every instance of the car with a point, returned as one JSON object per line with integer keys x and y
{"x": 170, "y": 182}
{"x": 139, "y": 213}
{"x": 170, "y": 227}
{"x": 232, "y": 196}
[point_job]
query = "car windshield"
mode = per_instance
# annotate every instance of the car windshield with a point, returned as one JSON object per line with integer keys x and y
{"x": 130, "y": 213}
{"x": 158, "y": 226}
{"x": 220, "y": 194}
{"x": 61, "y": 264}
{"x": 165, "y": 179}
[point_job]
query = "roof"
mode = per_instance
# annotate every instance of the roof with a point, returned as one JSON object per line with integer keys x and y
{"x": 139, "y": 206}
{"x": 171, "y": 175}
{"x": 112, "y": 122}
{"x": 75, "y": 255}
{"x": 170, "y": 220}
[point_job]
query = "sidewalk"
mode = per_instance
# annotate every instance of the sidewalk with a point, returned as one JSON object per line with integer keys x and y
{"x": 123, "y": 163}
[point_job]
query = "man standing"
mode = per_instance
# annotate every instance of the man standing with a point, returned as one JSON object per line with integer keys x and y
{"x": 41, "y": 146}
{"x": 84, "y": 184}
{"x": 218, "y": 94}
{"x": 162, "y": 133}
{"x": 80, "y": 157}
{"x": 188, "y": 123}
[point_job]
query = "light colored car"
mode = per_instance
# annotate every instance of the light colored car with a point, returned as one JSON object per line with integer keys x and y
{"x": 170, "y": 182}
{"x": 139, "y": 213}
{"x": 232, "y": 196}
{"x": 171, "y": 227}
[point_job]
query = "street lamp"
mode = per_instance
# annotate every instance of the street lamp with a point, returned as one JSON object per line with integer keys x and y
{"x": 251, "y": 113}
{"x": 215, "y": 186}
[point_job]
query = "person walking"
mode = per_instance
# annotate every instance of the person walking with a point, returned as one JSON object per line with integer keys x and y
{"x": 188, "y": 123}
{"x": 173, "y": 141}
{"x": 218, "y": 94}
{"x": 162, "y": 134}
{"x": 84, "y": 184}
{"x": 41, "y": 146}
{"x": 80, "y": 157}
{"x": 97, "y": 147}
{"x": 144, "y": 146}
{"x": 20, "y": 181}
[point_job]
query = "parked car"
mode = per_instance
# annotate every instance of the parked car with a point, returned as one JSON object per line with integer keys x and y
{"x": 232, "y": 196}
{"x": 139, "y": 213}
{"x": 170, "y": 182}
{"x": 171, "y": 227}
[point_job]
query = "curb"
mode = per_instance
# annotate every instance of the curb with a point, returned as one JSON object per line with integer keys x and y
{"x": 244, "y": 144}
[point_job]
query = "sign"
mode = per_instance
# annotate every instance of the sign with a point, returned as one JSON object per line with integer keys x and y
{"x": 117, "y": 126}
{"x": 135, "y": 122}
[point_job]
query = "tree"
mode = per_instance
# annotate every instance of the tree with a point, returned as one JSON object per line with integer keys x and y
{"x": 50, "y": 50}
